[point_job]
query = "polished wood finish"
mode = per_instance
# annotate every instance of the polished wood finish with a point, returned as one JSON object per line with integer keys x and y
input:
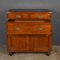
{"x": 27, "y": 15}
{"x": 29, "y": 31}
{"x": 29, "y": 28}
{"x": 40, "y": 15}
{"x": 18, "y": 15}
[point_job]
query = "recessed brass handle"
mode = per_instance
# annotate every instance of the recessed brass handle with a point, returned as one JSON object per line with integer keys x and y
{"x": 40, "y": 28}
{"x": 18, "y": 16}
{"x": 40, "y": 17}
{"x": 17, "y": 28}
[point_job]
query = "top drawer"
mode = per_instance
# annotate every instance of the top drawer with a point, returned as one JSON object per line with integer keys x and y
{"x": 17, "y": 15}
{"x": 29, "y": 15}
{"x": 41, "y": 15}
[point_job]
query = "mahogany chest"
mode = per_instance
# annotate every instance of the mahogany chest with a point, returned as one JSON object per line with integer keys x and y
{"x": 29, "y": 30}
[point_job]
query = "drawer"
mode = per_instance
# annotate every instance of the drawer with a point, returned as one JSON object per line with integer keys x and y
{"x": 28, "y": 28}
{"x": 17, "y": 15}
{"x": 41, "y": 15}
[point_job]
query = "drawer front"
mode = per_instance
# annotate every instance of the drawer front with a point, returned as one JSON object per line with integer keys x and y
{"x": 41, "y": 29}
{"x": 28, "y": 28}
{"x": 17, "y": 15}
{"x": 41, "y": 15}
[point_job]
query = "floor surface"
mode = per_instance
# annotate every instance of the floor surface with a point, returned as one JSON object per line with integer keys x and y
{"x": 55, "y": 55}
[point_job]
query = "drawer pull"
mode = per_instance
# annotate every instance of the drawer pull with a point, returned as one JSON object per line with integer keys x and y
{"x": 40, "y": 17}
{"x": 17, "y": 28}
{"x": 18, "y": 16}
{"x": 40, "y": 28}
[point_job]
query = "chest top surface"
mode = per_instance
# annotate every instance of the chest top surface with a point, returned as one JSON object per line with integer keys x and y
{"x": 27, "y": 10}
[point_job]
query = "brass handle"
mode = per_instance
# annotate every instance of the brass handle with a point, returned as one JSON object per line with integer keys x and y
{"x": 40, "y": 17}
{"x": 18, "y": 16}
{"x": 40, "y": 28}
{"x": 17, "y": 28}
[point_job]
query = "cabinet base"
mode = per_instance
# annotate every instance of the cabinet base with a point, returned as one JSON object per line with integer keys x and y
{"x": 11, "y": 53}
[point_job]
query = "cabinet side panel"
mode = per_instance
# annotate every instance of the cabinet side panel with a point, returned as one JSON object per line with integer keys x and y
{"x": 50, "y": 42}
{"x": 8, "y": 43}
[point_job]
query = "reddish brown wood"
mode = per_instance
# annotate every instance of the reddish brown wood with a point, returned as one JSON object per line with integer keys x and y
{"x": 19, "y": 43}
{"x": 18, "y": 15}
{"x": 50, "y": 42}
{"x": 29, "y": 36}
{"x": 40, "y": 15}
{"x": 29, "y": 28}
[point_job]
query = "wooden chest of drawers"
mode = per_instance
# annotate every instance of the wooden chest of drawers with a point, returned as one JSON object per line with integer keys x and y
{"x": 29, "y": 30}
